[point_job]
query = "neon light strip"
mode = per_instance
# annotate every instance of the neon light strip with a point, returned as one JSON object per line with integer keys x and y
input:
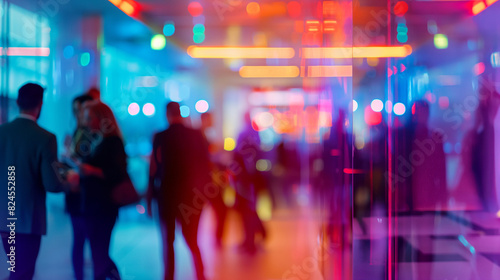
{"x": 357, "y": 52}
{"x": 269, "y": 71}
{"x": 26, "y": 51}
{"x": 329, "y": 71}
{"x": 240, "y": 52}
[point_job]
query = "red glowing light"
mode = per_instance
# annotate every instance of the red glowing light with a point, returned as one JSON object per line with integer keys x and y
{"x": 353, "y": 171}
{"x": 400, "y": 8}
{"x": 195, "y": 9}
{"x": 293, "y": 9}
{"x": 479, "y": 69}
{"x": 371, "y": 117}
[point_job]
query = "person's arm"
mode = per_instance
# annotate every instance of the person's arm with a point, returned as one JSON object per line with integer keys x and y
{"x": 50, "y": 168}
{"x": 154, "y": 163}
{"x": 90, "y": 170}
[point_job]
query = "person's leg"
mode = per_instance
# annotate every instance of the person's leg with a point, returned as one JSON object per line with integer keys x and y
{"x": 99, "y": 233}
{"x": 167, "y": 227}
{"x": 190, "y": 233}
{"x": 78, "y": 245}
{"x": 249, "y": 225}
{"x": 26, "y": 248}
{"x": 220, "y": 210}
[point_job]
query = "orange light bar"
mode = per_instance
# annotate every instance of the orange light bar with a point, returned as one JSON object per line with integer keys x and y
{"x": 490, "y": 2}
{"x": 478, "y": 7}
{"x": 240, "y": 52}
{"x": 25, "y": 51}
{"x": 329, "y": 71}
{"x": 269, "y": 71}
{"x": 127, "y": 8}
{"x": 357, "y": 52}
{"x": 393, "y": 51}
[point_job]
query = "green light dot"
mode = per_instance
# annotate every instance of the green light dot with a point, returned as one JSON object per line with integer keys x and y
{"x": 85, "y": 59}
{"x": 402, "y": 38}
{"x": 199, "y": 29}
{"x": 198, "y": 38}
{"x": 158, "y": 42}
{"x": 440, "y": 41}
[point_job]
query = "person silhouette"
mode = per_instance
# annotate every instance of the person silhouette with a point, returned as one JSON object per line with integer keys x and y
{"x": 77, "y": 149}
{"x": 102, "y": 170}
{"x": 30, "y": 169}
{"x": 179, "y": 169}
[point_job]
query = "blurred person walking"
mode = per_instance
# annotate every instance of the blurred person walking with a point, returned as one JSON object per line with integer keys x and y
{"x": 179, "y": 171}
{"x": 30, "y": 169}
{"x": 219, "y": 178}
{"x": 248, "y": 182}
{"x": 79, "y": 146}
{"x": 429, "y": 172}
{"x": 102, "y": 170}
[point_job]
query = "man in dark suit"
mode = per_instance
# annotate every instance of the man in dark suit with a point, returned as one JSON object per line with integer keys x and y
{"x": 179, "y": 174}
{"x": 28, "y": 168}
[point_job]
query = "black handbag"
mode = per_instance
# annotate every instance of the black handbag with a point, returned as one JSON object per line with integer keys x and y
{"x": 125, "y": 193}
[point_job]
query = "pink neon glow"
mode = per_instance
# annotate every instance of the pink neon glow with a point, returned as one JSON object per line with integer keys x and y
{"x": 26, "y": 51}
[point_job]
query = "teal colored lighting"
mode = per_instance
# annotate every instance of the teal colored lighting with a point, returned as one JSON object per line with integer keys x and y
{"x": 85, "y": 59}
{"x": 158, "y": 42}
{"x": 198, "y": 38}
{"x": 184, "y": 111}
{"x": 169, "y": 29}
{"x": 402, "y": 28}
{"x": 440, "y": 41}
{"x": 199, "y": 29}
{"x": 402, "y": 38}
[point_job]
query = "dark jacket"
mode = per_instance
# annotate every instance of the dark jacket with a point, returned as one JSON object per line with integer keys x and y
{"x": 109, "y": 155}
{"x": 183, "y": 161}
{"x": 32, "y": 150}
